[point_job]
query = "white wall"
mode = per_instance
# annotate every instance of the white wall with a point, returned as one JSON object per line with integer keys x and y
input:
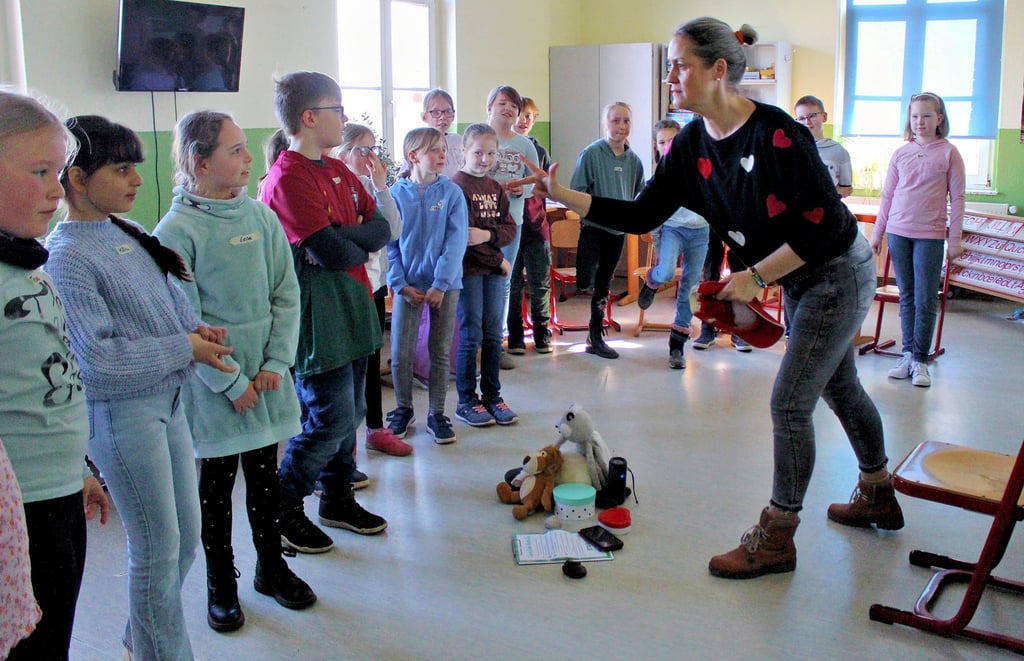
{"x": 70, "y": 50}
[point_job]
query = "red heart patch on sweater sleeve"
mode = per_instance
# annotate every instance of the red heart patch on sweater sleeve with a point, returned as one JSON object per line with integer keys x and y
{"x": 704, "y": 167}
{"x": 780, "y": 140}
{"x": 814, "y": 215}
{"x": 775, "y": 206}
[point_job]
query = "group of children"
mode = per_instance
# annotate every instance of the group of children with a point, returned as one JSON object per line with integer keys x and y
{"x": 155, "y": 352}
{"x": 186, "y": 346}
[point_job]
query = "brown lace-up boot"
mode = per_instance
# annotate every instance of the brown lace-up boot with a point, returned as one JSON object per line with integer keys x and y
{"x": 871, "y": 503}
{"x": 767, "y": 548}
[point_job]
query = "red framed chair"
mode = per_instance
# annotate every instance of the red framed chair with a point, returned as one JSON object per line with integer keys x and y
{"x": 978, "y": 481}
{"x": 890, "y": 293}
{"x": 565, "y": 234}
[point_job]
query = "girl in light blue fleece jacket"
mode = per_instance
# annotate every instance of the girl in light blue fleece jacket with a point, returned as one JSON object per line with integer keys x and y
{"x": 244, "y": 280}
{"x": 425, "y": 267}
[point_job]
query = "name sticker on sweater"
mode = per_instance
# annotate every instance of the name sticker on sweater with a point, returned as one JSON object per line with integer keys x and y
{"x": 438, "y": 206}
{"x": 246, "y": 238}
{"x": 124, "y": 249}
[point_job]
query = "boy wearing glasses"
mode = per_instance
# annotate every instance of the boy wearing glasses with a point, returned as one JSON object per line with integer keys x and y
{"x": 810, "y": 112}
{"x": 333, "y": 224}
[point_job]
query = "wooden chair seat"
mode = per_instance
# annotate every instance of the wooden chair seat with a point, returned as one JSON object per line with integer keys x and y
{"x": 641, "y": 272}
{"x": 565, "y": 234}
{"x": 978, "y": 481}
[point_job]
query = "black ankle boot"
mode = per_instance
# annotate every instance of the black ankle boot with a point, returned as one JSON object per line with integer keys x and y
{"x": 223, "y": 612}
{"x": 676, "y": 341}
{"x": 596, "y": 344}
{"x": 275, "y": 579}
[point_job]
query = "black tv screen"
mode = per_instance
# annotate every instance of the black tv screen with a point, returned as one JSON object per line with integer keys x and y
{"x": 165, "y": 46}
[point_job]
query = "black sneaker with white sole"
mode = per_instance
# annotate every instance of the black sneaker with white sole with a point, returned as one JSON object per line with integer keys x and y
{"x": 301, "y": 534}
{"x": 347, "y": 514}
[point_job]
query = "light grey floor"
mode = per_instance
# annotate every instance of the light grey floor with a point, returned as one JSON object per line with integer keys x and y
{"x": 441, "y": 583}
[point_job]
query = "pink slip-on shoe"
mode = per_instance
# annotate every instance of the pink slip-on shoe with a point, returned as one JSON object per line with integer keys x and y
{"x": 384, "y": 440}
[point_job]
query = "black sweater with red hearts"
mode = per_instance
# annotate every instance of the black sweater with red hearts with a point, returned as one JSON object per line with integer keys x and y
{"x": 759, "y": 188}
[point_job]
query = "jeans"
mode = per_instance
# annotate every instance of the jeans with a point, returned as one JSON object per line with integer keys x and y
{"x": 143, "y": 447}
{"x": 480, "y": 307}
{"x": 918, "y": 267}
{"x": 405, "y": 325}
{"x": 597, "y": 255}
{"x": 511, "y": 253}
{"x": 56, "y": 548}
{"x": 826, "y": 307}
{"x": 692, "y": 244}
{"x": 333, "y": 405}
{"x": 535, "y": 258}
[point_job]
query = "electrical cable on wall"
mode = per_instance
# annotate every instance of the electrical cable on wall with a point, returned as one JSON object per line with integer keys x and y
{"x": 156, "y": 156}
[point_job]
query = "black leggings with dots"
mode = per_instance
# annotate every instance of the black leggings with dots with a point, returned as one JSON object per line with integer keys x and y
{"x": 262, "y": 498}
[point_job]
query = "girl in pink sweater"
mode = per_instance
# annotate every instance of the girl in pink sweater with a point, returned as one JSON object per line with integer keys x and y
{"x": 924, "y": 174}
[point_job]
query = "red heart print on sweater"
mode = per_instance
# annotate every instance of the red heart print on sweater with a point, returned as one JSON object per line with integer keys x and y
{"x": 780, "y": 140}
{"x": 775, "y": 206}
{"x": 814, "y": 215}
{"x": 704, "y": 167}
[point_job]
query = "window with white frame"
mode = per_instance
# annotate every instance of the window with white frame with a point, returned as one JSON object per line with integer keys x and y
{"x": 386, "y": 57}
{"x": 897, "y": 48}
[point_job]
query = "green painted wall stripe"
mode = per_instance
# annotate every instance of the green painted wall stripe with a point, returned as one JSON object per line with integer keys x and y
{"x": 148, "y": 211}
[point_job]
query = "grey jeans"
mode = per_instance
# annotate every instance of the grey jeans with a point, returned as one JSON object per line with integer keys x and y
{"x": 405, "y": 324}
{"x": 825, "y": 306}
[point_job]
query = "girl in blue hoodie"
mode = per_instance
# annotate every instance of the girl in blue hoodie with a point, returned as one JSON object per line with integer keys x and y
{"x": 425, "y": 268}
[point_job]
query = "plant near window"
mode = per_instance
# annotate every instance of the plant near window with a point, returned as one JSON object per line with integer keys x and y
{"x": 384, "y": 154}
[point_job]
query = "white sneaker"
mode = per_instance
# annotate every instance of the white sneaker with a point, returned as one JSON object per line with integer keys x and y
{"x": 921, "y": 377}
{"x": 903, "y": 368}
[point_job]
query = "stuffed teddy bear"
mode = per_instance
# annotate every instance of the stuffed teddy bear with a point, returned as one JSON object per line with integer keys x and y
{"x": 589, "y": 463}
{"x": 536, "y": 483}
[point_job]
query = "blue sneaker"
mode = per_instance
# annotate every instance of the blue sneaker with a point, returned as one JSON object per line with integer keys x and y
{"x": 440, "y": 427}
{"x": 706, "y": 338}
{"x": 474, "y": 413}
{"x": 502, "y": 414}
{"x": 400, "y": 419}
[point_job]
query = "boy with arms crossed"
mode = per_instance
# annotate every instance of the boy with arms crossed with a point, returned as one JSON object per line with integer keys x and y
{"x": 332, "y": 224}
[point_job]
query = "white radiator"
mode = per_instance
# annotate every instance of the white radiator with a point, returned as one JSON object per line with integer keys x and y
{"x": 997, "y": 208}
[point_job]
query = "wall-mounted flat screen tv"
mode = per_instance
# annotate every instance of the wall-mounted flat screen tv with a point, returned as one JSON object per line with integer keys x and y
{"x": 170, "y": 46}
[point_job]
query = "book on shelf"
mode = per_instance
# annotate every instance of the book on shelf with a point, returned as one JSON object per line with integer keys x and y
{"x": 554, "y": 546}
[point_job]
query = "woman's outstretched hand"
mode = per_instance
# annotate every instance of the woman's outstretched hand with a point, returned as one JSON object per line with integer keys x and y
{"x": 545, "y": 184}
